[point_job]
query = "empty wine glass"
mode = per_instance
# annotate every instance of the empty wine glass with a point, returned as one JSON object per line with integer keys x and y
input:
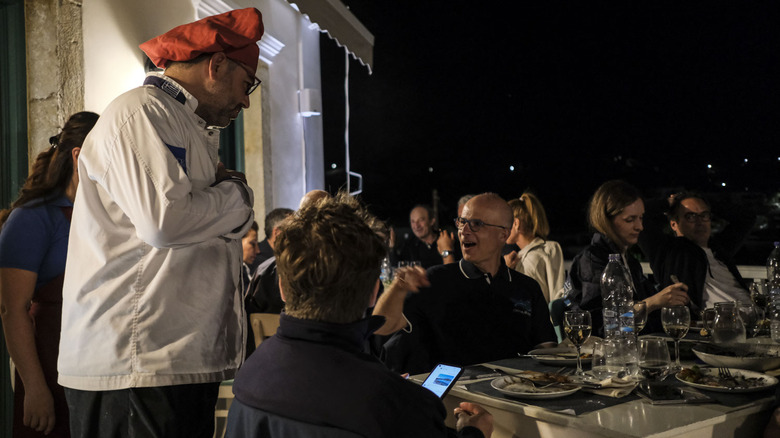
{"x": 676, "y": 321}
{"x": 577, "y": 326}
{"x": 749, "y": 313}
{"x": 707, "y": 318}
{"x": 640, "y": 316}
{"x": 758, "y": 294}
{"x": 653, "y": 358}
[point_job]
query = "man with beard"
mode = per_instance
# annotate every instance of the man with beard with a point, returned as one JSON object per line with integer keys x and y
{"x": 151, "y": 319}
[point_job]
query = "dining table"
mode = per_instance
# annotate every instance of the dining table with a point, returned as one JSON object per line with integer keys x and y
{"x": 588, "y": 414}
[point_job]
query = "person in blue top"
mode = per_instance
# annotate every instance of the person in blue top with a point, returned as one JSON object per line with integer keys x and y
{"x": 33, "y": 245}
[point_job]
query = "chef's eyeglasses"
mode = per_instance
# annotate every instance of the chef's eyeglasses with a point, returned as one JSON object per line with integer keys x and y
{"x": 253, "y": 86}
{"x": 692, "y": 217}
{"x": 474, "y": 224}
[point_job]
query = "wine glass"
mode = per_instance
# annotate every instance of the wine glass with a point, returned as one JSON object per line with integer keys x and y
{"x": 676, "y": 321}
{"x": 640, "y": 316}
{"x": 749, "y": 313}
{"x": 654, "y": 358}
{"x": 707, "y": 318}
{"x": 758, "y": 294}
{"x": 577, "y": 326}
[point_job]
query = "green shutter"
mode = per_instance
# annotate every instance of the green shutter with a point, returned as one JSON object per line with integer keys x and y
{"x": 13, "y": 150}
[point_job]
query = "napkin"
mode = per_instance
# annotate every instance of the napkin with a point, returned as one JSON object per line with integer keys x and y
{"x": 613, "y": 387}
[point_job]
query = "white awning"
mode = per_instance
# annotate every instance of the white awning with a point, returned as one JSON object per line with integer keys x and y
{"x": 338, "y": 22}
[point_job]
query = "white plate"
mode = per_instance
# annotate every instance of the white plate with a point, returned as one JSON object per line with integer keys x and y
{"x": 559, "y": 356}
{"x": 748, "y": 356}
{"x": 767, "y": 380}
{"x": 515, "y": 387}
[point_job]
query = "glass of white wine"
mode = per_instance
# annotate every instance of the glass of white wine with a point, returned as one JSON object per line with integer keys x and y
{"x": 676, "y": 321}
{"x": 577, "y": 326}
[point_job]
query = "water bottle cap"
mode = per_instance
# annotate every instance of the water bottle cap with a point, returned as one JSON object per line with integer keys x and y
{"x": 616, "y": 257}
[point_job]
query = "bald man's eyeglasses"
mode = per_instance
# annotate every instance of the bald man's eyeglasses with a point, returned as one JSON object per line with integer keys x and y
{"x": 474, "y": 224}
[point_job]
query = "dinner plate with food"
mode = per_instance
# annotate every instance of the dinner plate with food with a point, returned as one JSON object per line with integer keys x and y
{"x": 725, "y": 379}
{"x": 756, "y": 357}
{"x": 535, "y": 385}
{"x": 560, "y": 356}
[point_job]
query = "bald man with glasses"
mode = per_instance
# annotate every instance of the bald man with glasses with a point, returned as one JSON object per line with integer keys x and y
{"x": 701, "y": 260}
{"x": 473, "y": 311}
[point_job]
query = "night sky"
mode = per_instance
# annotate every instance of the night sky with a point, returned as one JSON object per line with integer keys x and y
{"x": 570, "y": 96}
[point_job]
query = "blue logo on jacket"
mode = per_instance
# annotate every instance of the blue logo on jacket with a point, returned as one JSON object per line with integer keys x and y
{"x": 180, "y": 154}
{"x": 523, "y": 307}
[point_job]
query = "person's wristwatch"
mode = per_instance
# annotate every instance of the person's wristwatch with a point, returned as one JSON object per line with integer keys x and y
{"x": 446, "y": 253}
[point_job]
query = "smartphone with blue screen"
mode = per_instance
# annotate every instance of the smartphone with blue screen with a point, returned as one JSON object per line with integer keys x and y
{"x": 442, "y": 378}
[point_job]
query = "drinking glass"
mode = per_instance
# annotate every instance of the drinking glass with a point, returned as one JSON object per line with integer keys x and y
{"x": 676, "y": 321}
{"x": 640, "y": 316}
{"x": 577, "y": 326}
{"x": 654, "y": 358}
{"x": 604, "y": 363}
{"x": 728, "y": 328}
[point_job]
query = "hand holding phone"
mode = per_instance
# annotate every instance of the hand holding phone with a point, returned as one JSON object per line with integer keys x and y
{"x": 442, "y": 378}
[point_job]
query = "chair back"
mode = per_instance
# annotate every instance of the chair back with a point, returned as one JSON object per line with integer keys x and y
{"x": 264, "y": 325}
{"x": 557, "y": 309}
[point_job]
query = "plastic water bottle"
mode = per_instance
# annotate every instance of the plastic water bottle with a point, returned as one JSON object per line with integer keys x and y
{"x": 773, "y": 276}
{"x": 773, "y": 262}
{"x": 386, "y": 273}
{"x": 617, "y": 296}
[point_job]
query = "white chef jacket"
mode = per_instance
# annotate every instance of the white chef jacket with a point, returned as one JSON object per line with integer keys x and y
{"x": 151, "y": 294}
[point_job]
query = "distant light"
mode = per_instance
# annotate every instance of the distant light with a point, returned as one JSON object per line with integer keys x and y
{"x": 430, "y": 170}
{"x": 723, "y": 184}
{"x": 709, "y": 166}
{"x": 746, "y": 160}
{"x": 333, "y": 165}
{"x": 511, "y": 168}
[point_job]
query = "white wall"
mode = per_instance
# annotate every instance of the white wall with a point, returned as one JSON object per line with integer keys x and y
{"x": 113, "y": 29}
{"x": 288, "y": 72}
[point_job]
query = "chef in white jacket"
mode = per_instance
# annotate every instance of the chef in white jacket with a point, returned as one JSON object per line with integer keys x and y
{"x": 152, "y": 316}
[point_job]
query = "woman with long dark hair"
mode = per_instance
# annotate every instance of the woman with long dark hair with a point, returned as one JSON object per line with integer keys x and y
{"x": 33, "y": 246}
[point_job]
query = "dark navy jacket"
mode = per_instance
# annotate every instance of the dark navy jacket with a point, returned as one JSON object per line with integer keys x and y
{"x": 468, "y": 317}
{"x": 312, "y": 379}
{"x": 585, "y": 282}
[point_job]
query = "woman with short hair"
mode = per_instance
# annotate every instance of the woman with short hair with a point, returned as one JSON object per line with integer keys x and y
{"x": 615, "y": 214}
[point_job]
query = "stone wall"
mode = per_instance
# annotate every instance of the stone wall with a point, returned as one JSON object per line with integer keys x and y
{"x": 55, "y": 67}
